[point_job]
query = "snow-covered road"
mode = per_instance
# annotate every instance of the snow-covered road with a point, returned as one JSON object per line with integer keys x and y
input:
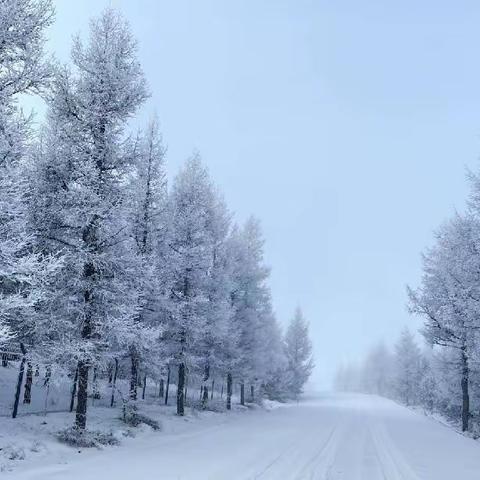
{"x": 334, "y": 437}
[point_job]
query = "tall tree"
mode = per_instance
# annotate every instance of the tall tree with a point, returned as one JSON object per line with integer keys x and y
{"x": 218, "y": 341}
{"x": 190, "y": 257}
{"x": 24, "y": 270}
{"x": 448, "y": 297}
{"x": 83, "y": 172}
{"x": 149, "y": 192}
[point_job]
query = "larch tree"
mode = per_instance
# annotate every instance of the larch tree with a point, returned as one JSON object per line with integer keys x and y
{"x": 298, "y": 347}
{"x": 84, "y": 172}
{"x": 218, "y": 341}
{"x": 408, "y": 368}
{"x": 190, "y": 260}
{"x": 252, "y": 313}
{"x": 448, "y": 297}
{"x": 24, "y": 271}
{"x": 149, "y": 228}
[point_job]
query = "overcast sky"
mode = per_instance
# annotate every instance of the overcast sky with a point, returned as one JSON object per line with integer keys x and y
{"x": 345, "y": 126}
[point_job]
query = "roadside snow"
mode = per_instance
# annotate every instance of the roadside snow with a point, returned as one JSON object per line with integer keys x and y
{"x": 334, "y": 437}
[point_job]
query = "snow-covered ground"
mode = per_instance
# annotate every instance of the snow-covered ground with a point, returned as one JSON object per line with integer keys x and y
{"x": 332, "y": 437}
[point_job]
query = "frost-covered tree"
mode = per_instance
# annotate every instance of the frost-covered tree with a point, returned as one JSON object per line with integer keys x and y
{"x": 408, "y": 369}
{"x": 190, "y": 259}
{"x": 219, "y": 339}
{"x": 250, "y": 299}
{"x": 81, "y": 206}
{"x": 377, "y": 371}
{"x": 24, "y": 271}
{"x": 449, "y": 296}
{"x": 149, "y": 228}
{"x": 298, "y": 348}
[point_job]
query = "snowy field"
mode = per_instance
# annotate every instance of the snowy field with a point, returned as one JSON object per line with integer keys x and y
{"x": 328, "y": 437}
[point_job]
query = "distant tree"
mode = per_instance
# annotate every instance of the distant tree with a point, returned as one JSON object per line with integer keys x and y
{"x": 298, "y": 347}
{"x": 408, "y": 369}
{"x": 377, "y": 371}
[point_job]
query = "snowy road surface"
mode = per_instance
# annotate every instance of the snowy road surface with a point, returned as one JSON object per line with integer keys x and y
{"x": 329, "y": 437}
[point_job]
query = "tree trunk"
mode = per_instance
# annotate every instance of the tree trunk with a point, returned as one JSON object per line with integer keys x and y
{"x": 19, "y": 382}
{"x": 133, "y": 374}
{"x": 144, "y": 387}
{"x": 229, "y": 391}
{"x": 96, "y": 392}
{"x": 213, "y": 386}
{"x": 168, "y": 386}
{"x": 242, "y": 394}
{"x": 89, "y": 272}
{"x": 465, "y": 393}
{"x": 181, "y": 389}
{"x": 48, "y": 376}
{"x": 74, "y": 390}
{"x": 27, "y": 392}
{"x": 221, "y": 392}
{"x": 204, "y": 389}
{"x": 205, "y": 397}
{"x": 81, "y": 412}
{"x": 161, "y": 393}
{"x": 113, "y": 382}
{"x": 110, "y": 375}
{"x": 252, "y": 393}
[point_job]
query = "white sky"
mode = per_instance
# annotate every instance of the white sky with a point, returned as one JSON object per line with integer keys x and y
{"x": 345, "y": 126}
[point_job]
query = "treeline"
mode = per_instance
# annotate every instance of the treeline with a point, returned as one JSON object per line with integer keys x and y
{"x": 101, "y": 261}
{"x": 405, "y": 374}
{"x": 446, "y": 376}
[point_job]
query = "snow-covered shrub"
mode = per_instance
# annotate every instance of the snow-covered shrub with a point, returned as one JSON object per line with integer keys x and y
{"x": 133, "y": 418}
{"x": 14, "y": 452}
{"x": 76, "y": 437}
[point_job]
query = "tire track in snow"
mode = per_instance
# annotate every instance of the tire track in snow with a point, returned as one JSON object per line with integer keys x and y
{"x": 392, "y": 463}
{"x": 323, "y": 458}
{"x": 274, "y": 461}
